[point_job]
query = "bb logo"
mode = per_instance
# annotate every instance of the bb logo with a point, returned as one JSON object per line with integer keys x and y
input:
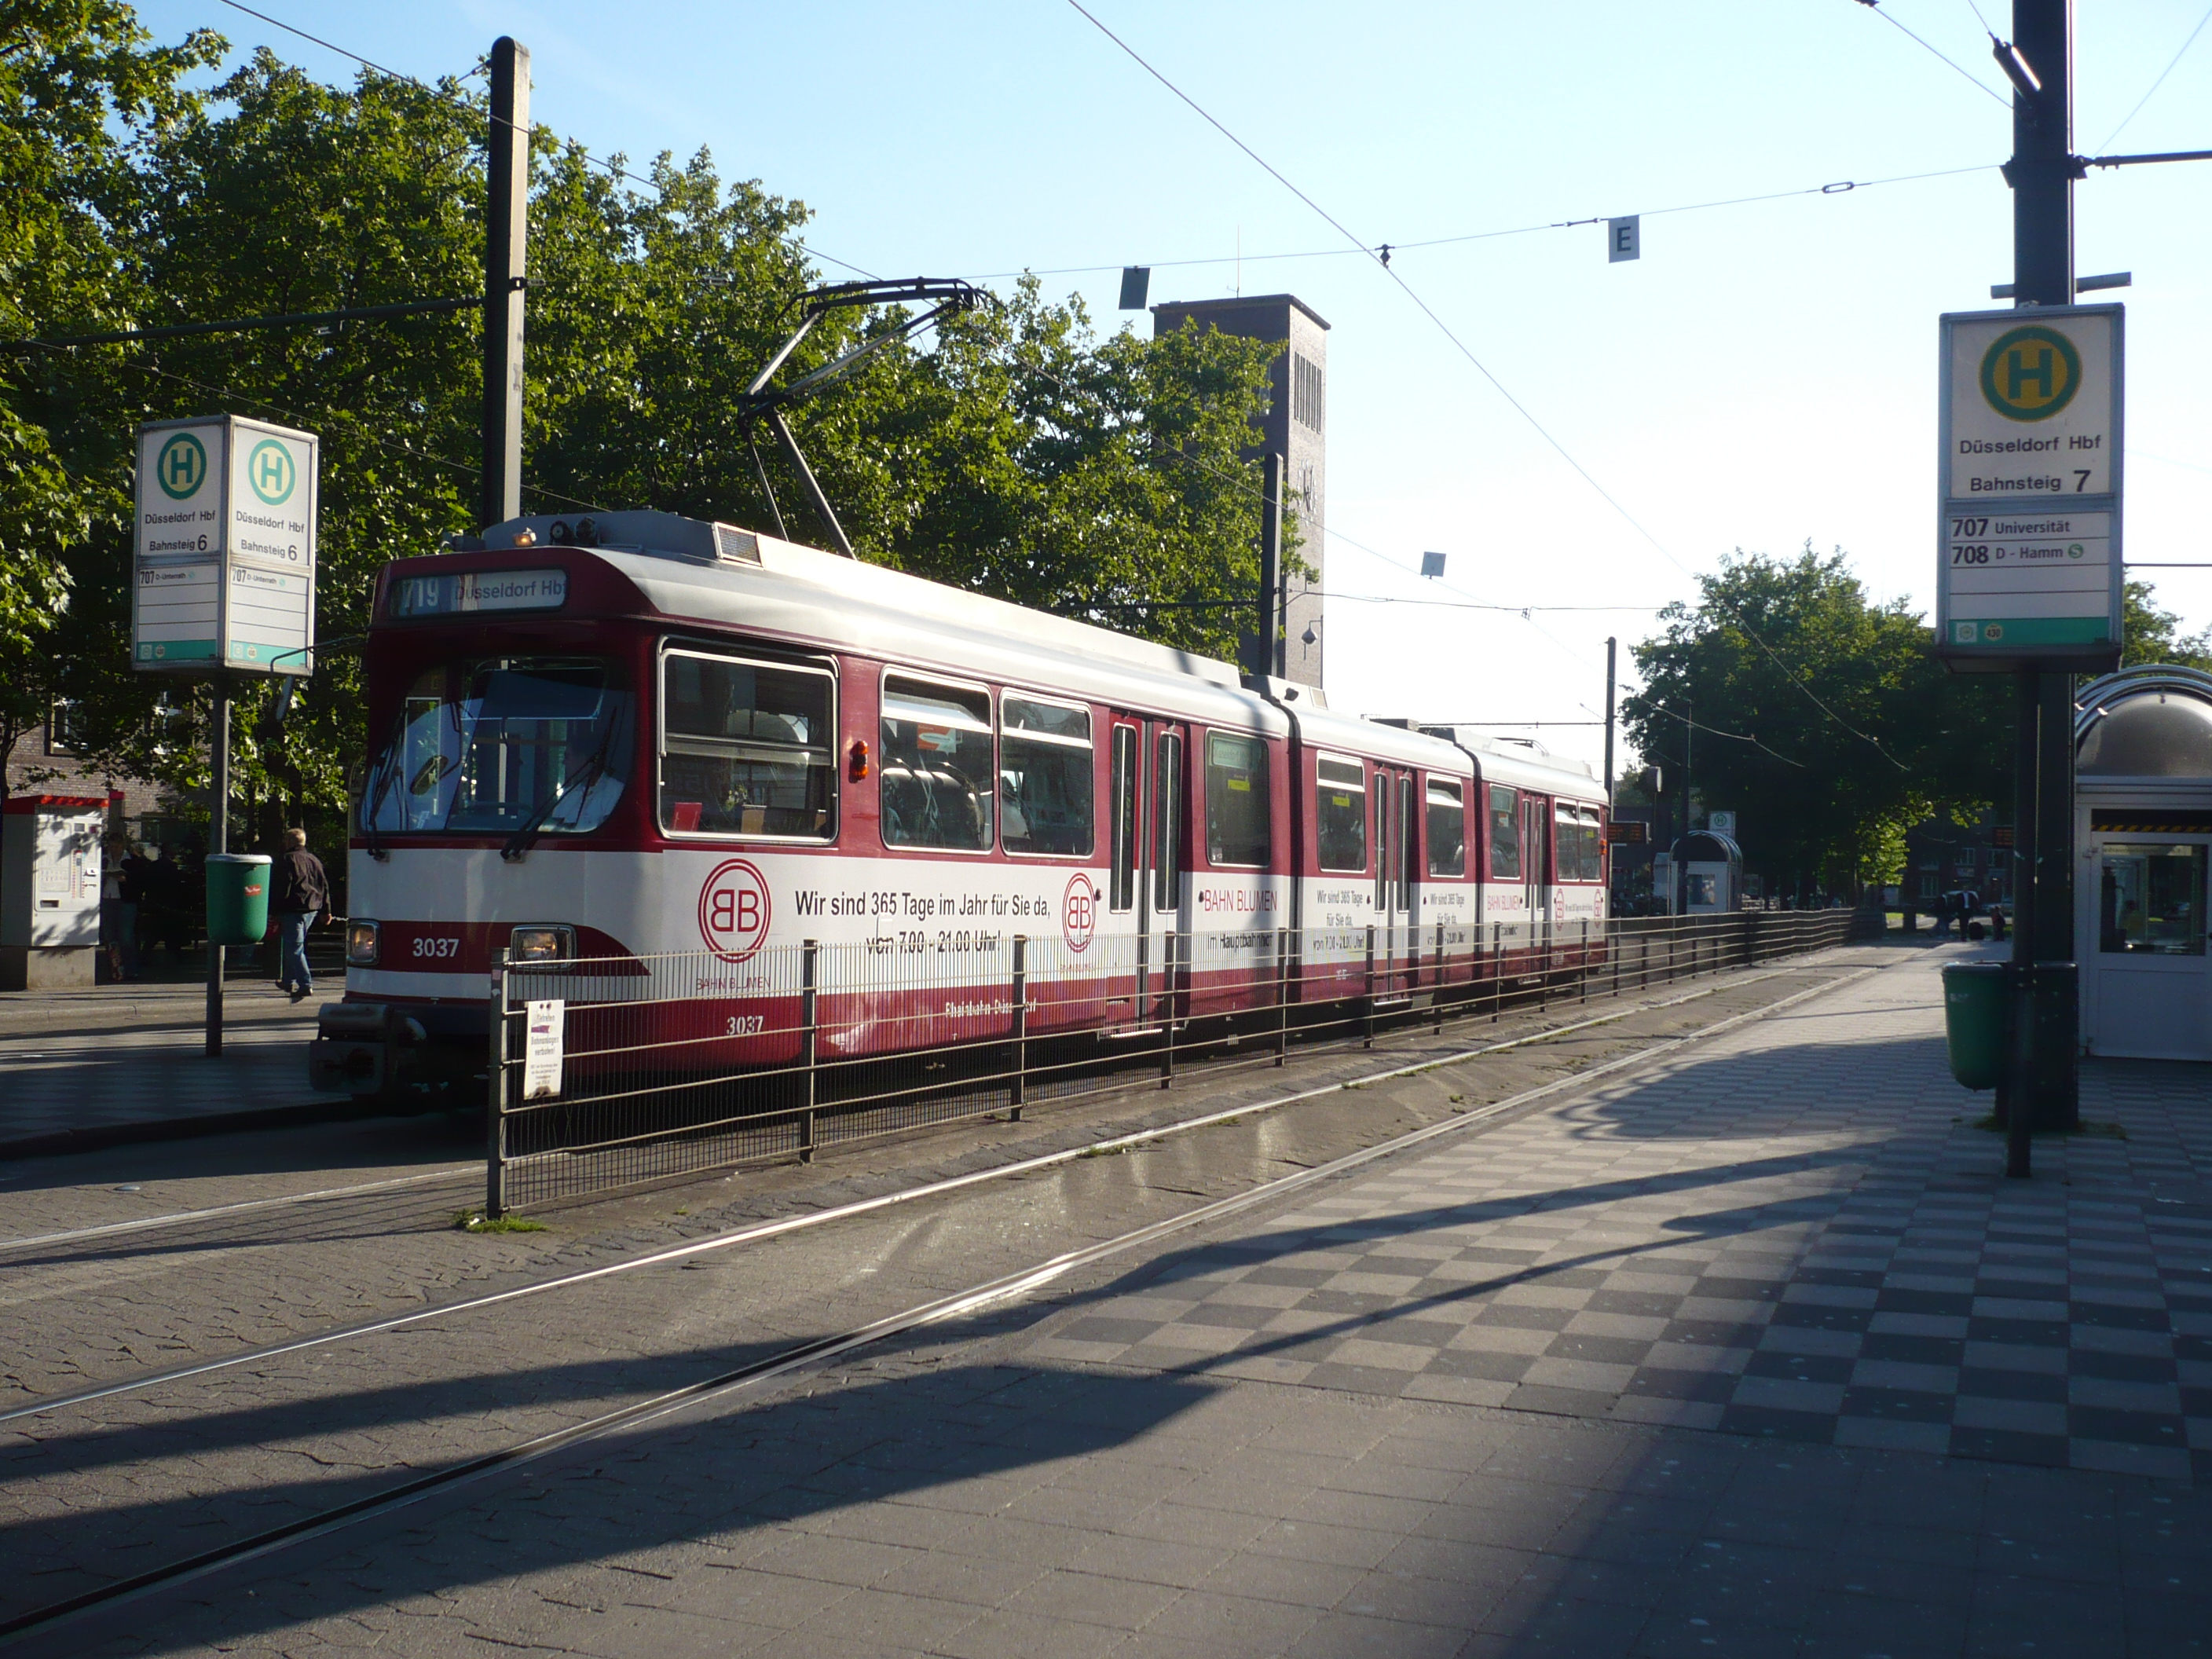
{"x": 733, "y": 910}
{"x": 1078, "y": 912}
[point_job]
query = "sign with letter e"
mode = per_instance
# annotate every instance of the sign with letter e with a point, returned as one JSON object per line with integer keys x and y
{"x": 1624, "y": 239}
{"x": 2028, "y": 567}
{"x": 223, "y": 575}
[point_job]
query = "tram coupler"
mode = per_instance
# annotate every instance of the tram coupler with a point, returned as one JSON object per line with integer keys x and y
{"x": 364, "y": 1049}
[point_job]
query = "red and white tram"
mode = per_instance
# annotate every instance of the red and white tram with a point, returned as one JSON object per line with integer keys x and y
{"x": 642, "y": 735}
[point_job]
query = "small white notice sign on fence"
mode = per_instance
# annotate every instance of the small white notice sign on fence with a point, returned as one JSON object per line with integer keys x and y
{"x": 543, "y": 1026}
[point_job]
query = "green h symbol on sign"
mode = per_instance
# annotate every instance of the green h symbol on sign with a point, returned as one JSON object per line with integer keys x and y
{"x": 181, "y": 466}
{"x": 271, "y": 471}
{"x": 2032, "y": 361}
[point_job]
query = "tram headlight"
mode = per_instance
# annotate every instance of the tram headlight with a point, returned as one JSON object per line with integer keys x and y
{"x": 362, "y": 938}
{"x": 541, "y": 943}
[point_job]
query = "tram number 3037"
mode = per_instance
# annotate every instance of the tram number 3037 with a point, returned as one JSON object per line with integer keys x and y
{"x": 436, "y": 949}
{"x": 746, "y": 1025}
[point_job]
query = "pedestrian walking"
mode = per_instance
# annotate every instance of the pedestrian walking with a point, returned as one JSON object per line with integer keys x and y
{"x": 118, "y": 913}
{"x": 302, "y": 897}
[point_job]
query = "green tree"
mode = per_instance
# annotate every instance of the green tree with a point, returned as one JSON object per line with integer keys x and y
{"x": 82, "y": 93}
{"x": 2149, "y": 635}
{"x": 1022, "y": 456}
{"x": 1820, "y": 716}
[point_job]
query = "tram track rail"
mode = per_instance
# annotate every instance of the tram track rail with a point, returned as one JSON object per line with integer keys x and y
{"x": 473, "y": 1171}
{"x": 815, "y": 1352}
{"x": 760, "y": 1231}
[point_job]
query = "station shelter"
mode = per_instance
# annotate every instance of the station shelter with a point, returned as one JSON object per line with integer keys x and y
{"x": 2142, "y": 802}
{"x": 1701, "y": 875}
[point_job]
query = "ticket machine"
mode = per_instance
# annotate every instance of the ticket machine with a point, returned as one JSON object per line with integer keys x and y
{"x": 50, "y": 890}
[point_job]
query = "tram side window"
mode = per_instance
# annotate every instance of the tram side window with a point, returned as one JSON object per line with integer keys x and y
{"x": 746, "y": 748}
{"x": 1447, "y": 828}
{"x": 1593, "y": 845}
{"x": 1504, "y": 833}
{"x": 1122, "y": 882}
{"x": 1237, "y": 826}
{"x": 1340, "y": 814}
{"x": 1568, "y": 832}
{"x": 1044, "y": 776}
{"x": 938, "y": 783}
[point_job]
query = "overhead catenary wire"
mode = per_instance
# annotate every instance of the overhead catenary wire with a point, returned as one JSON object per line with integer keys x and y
{"x": 613, "y": 169}
{"x": 1973, "y": 79}
{"x": 2172, "y": 64}
{"x": 1462, "y": 347}
{"x": 1836, "y": 187}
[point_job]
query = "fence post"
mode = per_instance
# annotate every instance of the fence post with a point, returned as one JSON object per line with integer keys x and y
{"x": 1610, "y": 934}
{"x": 1367, "y": 1016}
{"x": 1167, "y": 1008}
{"x": 1497, "y": 969}
{"x": 807, "y": 951}
{"x": 1544, "y": 973}
{"x": 1584, "y": 974}
{"x": 495, "y": 1090}
{"x": 1021, "y": 1026}
{"x": 1436, "y": 994}
{"x": 1282, "y": 993}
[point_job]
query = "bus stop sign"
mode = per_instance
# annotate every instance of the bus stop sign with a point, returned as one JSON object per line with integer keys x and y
{"x": 224, "y": 571}
{"x": 2029, "y": 571}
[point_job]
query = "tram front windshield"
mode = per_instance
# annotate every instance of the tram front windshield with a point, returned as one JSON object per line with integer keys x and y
{"x": 498, "y": 745}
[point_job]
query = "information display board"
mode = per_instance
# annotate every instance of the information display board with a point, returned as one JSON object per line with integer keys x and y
{"x": 223, "y": 574}
{"x": 2029, "y": 569}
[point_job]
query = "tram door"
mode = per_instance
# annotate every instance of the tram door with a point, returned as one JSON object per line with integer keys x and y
{"x": 1536, "y": 863}
{"x": 1397, "y": 834}
{"x": 1145, "y": 774}
{"x": 1161, "y": 921}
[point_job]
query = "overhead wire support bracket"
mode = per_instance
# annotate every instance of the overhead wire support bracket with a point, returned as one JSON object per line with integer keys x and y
{"x": 945, "y": 296}
{"x": 2137, "y": 160}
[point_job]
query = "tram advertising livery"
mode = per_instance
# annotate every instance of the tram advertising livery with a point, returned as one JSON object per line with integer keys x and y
{"x": 639, "y": 736}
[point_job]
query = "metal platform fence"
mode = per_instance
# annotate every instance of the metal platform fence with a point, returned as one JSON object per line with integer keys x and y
{"x": 614, "y": 1072}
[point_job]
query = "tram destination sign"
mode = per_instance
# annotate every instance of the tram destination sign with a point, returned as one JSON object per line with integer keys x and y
{"x": 2028, "y": 566}
{"x": 223, "y": 566}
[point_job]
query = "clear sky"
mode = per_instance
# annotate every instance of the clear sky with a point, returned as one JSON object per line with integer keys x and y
{"x": 1764, "y": 376}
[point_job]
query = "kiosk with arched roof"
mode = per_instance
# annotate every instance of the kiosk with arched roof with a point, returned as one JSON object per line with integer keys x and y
{"x": 2144, "y": 824}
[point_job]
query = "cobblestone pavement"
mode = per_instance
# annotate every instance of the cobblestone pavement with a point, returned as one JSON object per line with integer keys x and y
{"x": 1798, "y": 1234}
{"x": 1175, "y": 1487}
{"x": 98, "y": 1060}
{"x": 86, "y": 1491}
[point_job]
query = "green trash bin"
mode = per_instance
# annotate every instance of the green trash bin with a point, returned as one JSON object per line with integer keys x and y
{"x": 1976, "y": 1016}
{"x": 237, "y": 897}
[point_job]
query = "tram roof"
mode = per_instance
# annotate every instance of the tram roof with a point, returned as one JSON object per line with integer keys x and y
{"x": 689, "y": 569}
{"x": 720, "y": 576}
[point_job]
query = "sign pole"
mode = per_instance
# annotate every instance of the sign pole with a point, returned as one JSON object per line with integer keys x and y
{"x": 506, "y": 235}
{"x": 1611, "y": 646}
{"x": 2041, "y": 174}
{"x": 218, "y": 841}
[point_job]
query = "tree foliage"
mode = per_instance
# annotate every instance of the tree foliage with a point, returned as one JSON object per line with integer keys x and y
{"x": 82, "y": 93}
{"x": 1017, "y": 454}
{"x": 2149, "y": 635}
{"x": 1819, "y": 715}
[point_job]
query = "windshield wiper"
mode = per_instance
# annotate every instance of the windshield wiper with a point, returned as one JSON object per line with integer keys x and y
{"x": 388, "y": 771}
{"x": 594, "y": 767}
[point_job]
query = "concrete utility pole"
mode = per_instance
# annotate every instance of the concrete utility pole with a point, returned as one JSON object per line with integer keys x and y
{"x": 507, "y": 236}
{"x": 2044, "y": 1089}
{"x": 1611, "y": 646}
{"x": 1267, "y": 658}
